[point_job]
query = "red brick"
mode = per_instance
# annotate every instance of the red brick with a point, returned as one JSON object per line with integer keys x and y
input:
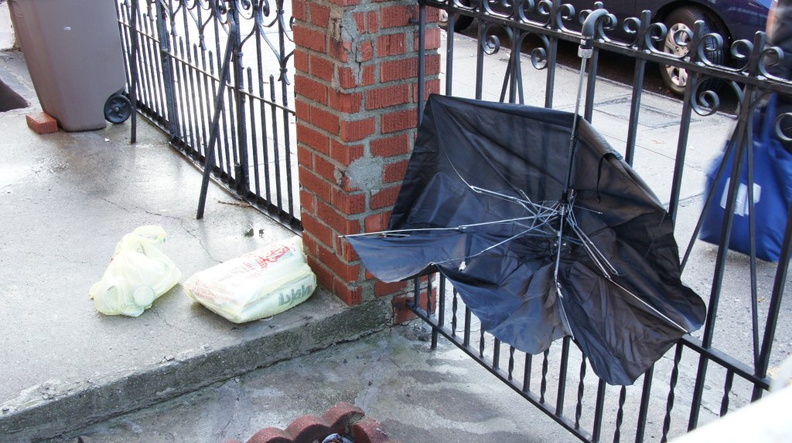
{"x": 401, "y": 313}
{"x": 369, "y": 431}
{"x": 305, "y": 158}
{"x": 398, "y": 16}
{"x": 433, "y": 38}
{"x": 394, "y": 172}
{"x": 345, "y": 154}
{"x": 325, "y": 120}
{"x": 365, "y": 51}
{"x": 308, "y": 428}
{"x": 349, "y": 203}
{"x": 301, "y": 61}
{"x": 310, "y": 39}
{"x": 356, "y": 130}
{"x": 270, "y": 435}
{"x": 326, "y": 169}
{"x": 402, "y": 69}
{"x": 308, "y": 201}
{"x": 391, "y": 44}
{"x": 382, "y": 289}
{"x": 313, "y": 139}
{"x": 336, "y": 220}
{"x": 388, "y": 96}
{"x": 339, "y": 50}
{"x": 302, "y": 111}
{"x": 384, "y": 198}
{"x": 321, "y": 67}
{"x": 310, "y": 89}
{"x": 315, "y": 184}
{"x": 349, "y": 294}
{"x": 347, "y": 78}
{"x": 360, "y": 21}
{"x": 299, "y": 10}
{"x": 318, "y": 230}
{"x": 430, "y": 87}
{"x": 320, "y": 15}
{"x": 346, "y": 103}
{"x": 346, "y": 251}
{"x": 324, "y": 276}
{"x": 432, "y": 64}
{"x": 347, "y": 185}
{"x": 391, "y": 146}
{"x": 433, "y": 16}
{"x": 342, "y": 416}
{"x": 377, "y": 222}
{"x": 345, "y": 2}
{"x": 373, "y": 22}
{"x": 345, "y": 271}
{"x": 310, "y": 246}
{"x": 350, "y": 79}
{"x": 399, "y": 120}
{"x": 41, "y": 123}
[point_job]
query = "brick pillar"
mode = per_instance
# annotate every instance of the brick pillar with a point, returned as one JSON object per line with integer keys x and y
{"x": 356, "y": 64}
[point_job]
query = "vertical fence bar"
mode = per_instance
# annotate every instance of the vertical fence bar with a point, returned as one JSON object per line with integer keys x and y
{"x": 168, "y": 79}
{"x": 599, "y": 411}
{"x": 242, "y": 167}
{"x": 421, "y": 61}
{"x": 643, "y": 409}
{"x": 637, "y": 91}
{"x": 562, "y": 375}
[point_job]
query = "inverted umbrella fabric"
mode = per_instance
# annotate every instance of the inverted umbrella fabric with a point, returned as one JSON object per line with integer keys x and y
{"x": 483, "y": 199}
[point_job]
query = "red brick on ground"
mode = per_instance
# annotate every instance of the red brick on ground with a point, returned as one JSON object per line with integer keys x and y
{"x": 41, "y": 123}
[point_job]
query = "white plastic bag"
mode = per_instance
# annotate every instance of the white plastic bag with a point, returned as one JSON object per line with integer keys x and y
{"x": 137, "y": 275}
{"x": 256, "y": 285}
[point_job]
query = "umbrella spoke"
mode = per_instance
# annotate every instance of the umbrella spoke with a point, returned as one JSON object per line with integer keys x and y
{"x": 593, "y": 251}
{"x": 651, "y": 308}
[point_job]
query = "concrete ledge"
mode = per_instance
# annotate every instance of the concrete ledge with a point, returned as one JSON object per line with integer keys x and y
{"x": 55, "y": 407}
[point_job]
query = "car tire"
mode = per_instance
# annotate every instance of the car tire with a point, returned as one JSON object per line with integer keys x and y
{"x": 462, "y": 22}
{"x": 681, "y": 18}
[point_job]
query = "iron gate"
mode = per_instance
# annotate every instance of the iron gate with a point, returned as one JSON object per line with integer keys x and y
{"x": 706, "y": 374}
{"x": 215, "y": 77}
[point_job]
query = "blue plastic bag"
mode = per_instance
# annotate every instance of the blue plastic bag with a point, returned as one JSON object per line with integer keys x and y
{"x": 772, "y": 193}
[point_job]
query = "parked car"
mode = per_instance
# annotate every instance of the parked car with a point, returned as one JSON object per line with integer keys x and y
{"x": 732, "y": 19}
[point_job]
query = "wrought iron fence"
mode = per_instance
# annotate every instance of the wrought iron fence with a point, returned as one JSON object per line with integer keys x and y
{"x": 726, "y": 364}
{"x": 215, "y": 76}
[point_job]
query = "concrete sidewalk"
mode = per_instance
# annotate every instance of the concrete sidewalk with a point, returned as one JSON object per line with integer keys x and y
{"x": 67, "y": 198}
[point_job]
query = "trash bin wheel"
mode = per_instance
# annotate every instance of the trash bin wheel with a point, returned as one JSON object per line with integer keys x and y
{"x": 117, "y": 108}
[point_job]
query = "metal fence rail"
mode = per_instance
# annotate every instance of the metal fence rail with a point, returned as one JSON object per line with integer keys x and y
{"x": 702, "y": 377}
{"x": 242, "y": 125}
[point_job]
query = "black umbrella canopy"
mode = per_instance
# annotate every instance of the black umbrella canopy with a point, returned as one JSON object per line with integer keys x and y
{"x": 540, "y": 242}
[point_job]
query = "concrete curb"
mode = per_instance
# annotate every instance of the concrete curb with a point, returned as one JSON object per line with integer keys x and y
{"x": 55, "y": 407}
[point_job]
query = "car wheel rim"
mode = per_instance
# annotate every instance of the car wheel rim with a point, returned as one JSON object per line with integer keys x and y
{"x": 443, "y": 17}
{"x": 676, "y": 75}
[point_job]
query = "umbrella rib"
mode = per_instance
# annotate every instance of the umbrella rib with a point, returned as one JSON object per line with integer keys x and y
{"x": 495, "y": 245}
{"x": 668, "y": 319}
{"x": 564, "y": 318}
{"x": 455, "y": 228}
{"x": 593, "y": 251}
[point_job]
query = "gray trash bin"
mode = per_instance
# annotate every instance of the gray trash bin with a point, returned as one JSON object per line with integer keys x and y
{"x": 73, "y": 52}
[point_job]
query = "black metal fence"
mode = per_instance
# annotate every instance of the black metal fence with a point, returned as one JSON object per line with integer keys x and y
{"x": 725, "y": 365}
{"x": 214, "y": 75}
